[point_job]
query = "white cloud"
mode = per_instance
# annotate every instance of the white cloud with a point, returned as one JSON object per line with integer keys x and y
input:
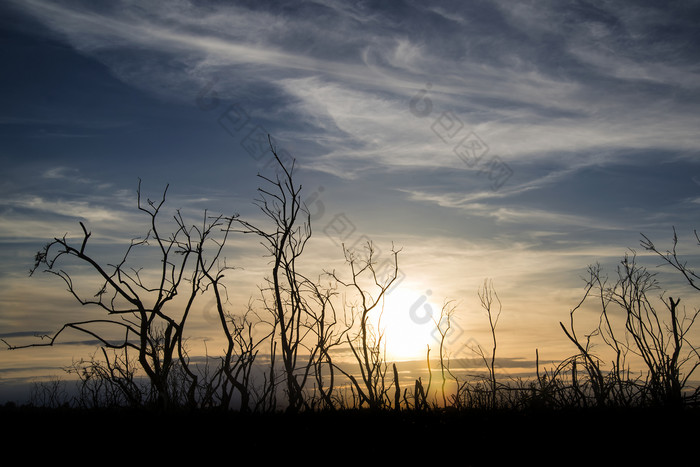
{"x": 521, "y": 113}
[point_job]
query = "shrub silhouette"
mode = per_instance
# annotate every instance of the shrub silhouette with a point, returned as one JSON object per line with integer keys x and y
{"x": 303, "y": 322}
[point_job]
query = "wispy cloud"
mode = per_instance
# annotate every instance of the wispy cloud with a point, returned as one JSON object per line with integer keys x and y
{"x": 525, "y": 104}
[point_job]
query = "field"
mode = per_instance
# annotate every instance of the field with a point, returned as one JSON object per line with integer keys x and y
{"x": 474, "y": 437}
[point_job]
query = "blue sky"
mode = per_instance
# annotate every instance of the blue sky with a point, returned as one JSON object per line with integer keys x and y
{"x": 518, "y": 141}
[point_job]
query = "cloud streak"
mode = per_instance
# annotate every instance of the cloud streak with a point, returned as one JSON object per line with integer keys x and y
{"x": 527, "y": 106}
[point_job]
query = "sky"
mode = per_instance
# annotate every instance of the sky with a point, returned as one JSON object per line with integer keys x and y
{"x": 516, "y": 142}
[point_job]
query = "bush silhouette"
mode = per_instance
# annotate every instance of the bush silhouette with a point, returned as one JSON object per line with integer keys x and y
{"x": 282, "y": 356}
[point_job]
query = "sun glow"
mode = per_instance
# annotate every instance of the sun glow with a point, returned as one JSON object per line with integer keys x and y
{"x": 408, "y": 325}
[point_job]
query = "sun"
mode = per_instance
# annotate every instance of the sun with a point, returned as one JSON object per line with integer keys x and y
{"x": 408, "y": 325}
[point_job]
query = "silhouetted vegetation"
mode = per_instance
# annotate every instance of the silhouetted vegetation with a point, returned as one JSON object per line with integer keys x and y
{"x": 282, "y": 355}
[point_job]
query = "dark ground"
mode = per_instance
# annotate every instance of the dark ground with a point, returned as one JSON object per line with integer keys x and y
{"x": 592, "y": 437}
